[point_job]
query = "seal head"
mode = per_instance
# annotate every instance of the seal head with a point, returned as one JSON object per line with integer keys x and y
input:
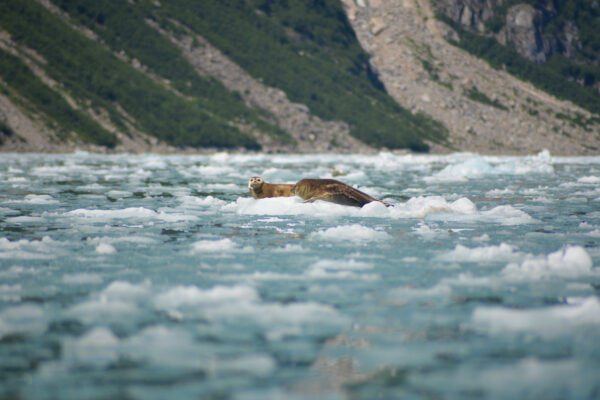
{"x": 259, "y": 189}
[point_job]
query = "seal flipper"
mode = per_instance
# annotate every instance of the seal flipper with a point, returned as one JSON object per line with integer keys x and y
{"x": 345, "y": 200}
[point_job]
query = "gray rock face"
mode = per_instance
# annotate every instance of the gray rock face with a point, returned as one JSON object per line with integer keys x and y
{"x": 471, "y": 14}
{"x": 522, "y": 26}
{"x": 485, "y": 110}
{"x": 523, "y": 29}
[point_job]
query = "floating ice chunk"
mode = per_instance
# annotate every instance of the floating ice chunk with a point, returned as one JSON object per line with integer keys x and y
{"x": 211, "y": 170}
{"x": 507, "y": 215}
{"x": 122, "y": 290}
{"x": 35, "y": 199}
{"x": 350, "y": 233}
{"x": 474, "y": 167}
{"x": 543, "y": 155}
{"x": 93, "y": 187}
{"x": 428, "y": 232}
{"x": 350, "y": 264}
{"x": 165, "y": 347}
{"x": 589, "y": 179}
{"x": 117, "y": 303}
{"x": 218, "y": 246}
{"x": 270, "y": 219}
{"x": 176, "y": 348}
{"x": 416, "y": 207}
{"x": 129, "y": 213}
{"x": 132, "y": 212}
{"x": 105, "y": 248}
{"x": 419, "y": 207}
{"x": 8, "y": 211}
{"x": 24, "y": 319}
{"x": 181, "y": 296}
{"x": 499, "y": 192}
{"x": 221, "y": 157}
{"x": 594, "y": 233}
{"x": 463, "y": 206}
{"x": 342, "y": 269}
{"x": 547, "y": 321}
{"x": 571, "y": 261}
{"x": 17, "y": 179}
{"x": 502, "y": 252}
{"x": 97, "y": 348}
{"x": 118, "y": 194}
{"x": 208, "y": 201}
{"x": 242, "y": 305}
{"x": 29, "y": 250}
{"x": 526, "y": 378}
{"x": 25, "y": 219}
{"x": 154, "y": 163}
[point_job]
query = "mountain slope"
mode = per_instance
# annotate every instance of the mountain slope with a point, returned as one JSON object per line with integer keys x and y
{"x": 484, "y": 108}
{"x": 125, "y": 72}
{"x": 297, "y": 76}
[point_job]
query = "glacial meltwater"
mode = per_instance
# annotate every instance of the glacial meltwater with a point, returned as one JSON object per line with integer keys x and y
{"x": 160, "y": 277}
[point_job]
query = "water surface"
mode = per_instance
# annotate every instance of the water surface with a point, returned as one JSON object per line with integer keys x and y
{"x": 145, "y": 276}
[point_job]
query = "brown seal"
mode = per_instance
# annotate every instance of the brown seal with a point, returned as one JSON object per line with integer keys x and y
{"x": 333, "y": 191}
{"x": 261, "y": 189}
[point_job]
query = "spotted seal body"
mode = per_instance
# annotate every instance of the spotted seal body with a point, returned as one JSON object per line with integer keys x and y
{"x": 260, "y": 189}
{"x": 333, "y": 191}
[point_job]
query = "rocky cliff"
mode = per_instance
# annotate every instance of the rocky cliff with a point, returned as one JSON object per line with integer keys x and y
{"x": 536, "y": 29}
{"x": 485, "y": 109}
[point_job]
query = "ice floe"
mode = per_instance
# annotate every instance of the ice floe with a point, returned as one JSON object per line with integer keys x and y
{"x": 26, "y": 319}
{"x": 30, "y": 249}
{"x": 221, "y": 246}
{"x": 544, "y": 321}
{"x": 140, "y": 213}
{"x": 501, "y": 253}
{"x": 243, "y": 305}
{"x": 572, "y": 261}
{"x": 350, "y": 233}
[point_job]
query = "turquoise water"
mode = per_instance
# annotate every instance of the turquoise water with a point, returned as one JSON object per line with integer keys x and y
{"x": 145, "y": 276}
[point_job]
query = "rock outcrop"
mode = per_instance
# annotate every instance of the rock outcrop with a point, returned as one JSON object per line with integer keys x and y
{"x": 521, "y": 26}
{"x": 523, "y": 30}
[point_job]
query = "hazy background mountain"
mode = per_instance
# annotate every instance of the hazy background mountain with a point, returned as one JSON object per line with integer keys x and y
{"x": 324, "y": 75}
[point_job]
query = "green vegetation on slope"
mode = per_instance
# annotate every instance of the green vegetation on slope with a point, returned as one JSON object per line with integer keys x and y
{"x": 308, "y": 49}
{"x": 314, "y": 58}
{"x": 543, "y": 76}
{"x": 21, "y": 78}
{"x": 123, "y": 27}
{"x": 90, "y": 72}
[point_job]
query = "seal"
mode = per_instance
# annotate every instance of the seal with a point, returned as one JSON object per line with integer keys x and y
{"x": 260, "y": 189}
{"x": 333, "y": 191}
